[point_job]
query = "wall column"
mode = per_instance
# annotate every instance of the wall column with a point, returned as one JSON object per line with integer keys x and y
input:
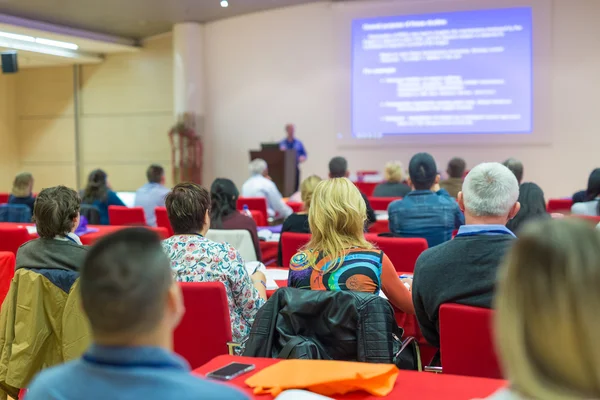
{"x": 188, "y": 69}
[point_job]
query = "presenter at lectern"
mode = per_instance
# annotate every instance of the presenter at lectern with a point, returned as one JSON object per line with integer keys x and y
{"x": 291, "y": 143}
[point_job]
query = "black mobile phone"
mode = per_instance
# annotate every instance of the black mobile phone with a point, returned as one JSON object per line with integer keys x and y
{"x": 230, "y": 371}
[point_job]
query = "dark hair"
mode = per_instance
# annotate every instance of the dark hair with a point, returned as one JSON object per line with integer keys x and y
{"x": 124, "y": 283}
{"x": 533, "y": 206}
{"x": 338, "y": 166}
{"x": 456, "y": 167}
{"x": 155, "y": 173}
{"x": 516, "y": 167}
{"x": 224, "y": 195}
{"x": 55, "y": 211}
{"x": 593, "y": 188}
{"x": 187, "y": 205}
{"x": 422, "y": 171}
{"x": 96, "y": 188}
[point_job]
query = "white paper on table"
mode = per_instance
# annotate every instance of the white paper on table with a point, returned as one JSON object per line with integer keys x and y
{"x": 295, "y": 394}
{"x": 264, "y": 234}
{"x": 271, "y": 284}
{"x": 253, "y": 266}
{"x": 278, "y": 274}
{"x": 274, "y": 237}
{"x": 31, "y": 229}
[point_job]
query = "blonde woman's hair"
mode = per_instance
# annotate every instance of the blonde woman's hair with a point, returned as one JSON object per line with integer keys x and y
{"x": 22, "y": 185}
{"x": 307, "y": 189}
{"x": 547, "y": 311}
{"x": 337, "y": 220}
{"x": 394, "y": 172}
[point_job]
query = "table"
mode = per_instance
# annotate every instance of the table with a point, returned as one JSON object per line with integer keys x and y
{"x": 409, "y": 384}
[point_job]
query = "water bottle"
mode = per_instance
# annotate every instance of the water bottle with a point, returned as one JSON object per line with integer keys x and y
{"x": 246, "y": 211}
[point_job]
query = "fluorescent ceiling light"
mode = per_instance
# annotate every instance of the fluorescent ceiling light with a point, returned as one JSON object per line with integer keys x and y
{"x": 17, "y": 37}
{"x": 46, "y": 42}
{"x": 224, "y": 3}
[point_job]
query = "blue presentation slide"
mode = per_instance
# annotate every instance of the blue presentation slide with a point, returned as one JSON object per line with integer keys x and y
{"x": 446, "y": 73}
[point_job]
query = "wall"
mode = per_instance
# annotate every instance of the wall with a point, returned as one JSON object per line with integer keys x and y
{"x": 280, "y": 66}
{"x": 9, "y": 159}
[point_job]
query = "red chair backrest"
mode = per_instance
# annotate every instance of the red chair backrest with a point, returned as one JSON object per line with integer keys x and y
{"x": 205, "y": 328}
{"x": 559, "y": 205}
{"x": 402, "y": 252}
{"x": 466, "y": 341}
{"x": 7, "y": 271}
{"x": 254, "y": 203}
{"x": 367, "y": 172}
{"x": 382, "y": 203}
{"x": 595, "y": 219}
{"x": 162, "y": 219}
{"x": 380, "y": 226}
{"x": 121, "y": 215}
{"x": 259, "y": 218}
{"x": 11, "y": 238}
{"x": 290, "y": 244}
{"x": 367, "y": 188}
{"x": 4, "y": 197}
{"x": 297, "y": 206}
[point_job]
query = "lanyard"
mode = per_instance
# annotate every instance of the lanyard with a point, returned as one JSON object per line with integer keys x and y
{"x": 71, "y": 239}
{"x": 134, "y": 364}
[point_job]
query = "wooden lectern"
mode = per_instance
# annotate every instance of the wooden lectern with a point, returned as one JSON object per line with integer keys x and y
{"x": 282, "y": 167}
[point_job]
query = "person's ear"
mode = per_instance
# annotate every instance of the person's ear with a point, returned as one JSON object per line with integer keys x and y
{"x": 347, "y": 174}
{"x": 175, "y": 307}
{"x": 76, "y": 222}
{"x": 461, "y": 201}
{"x": 206, "y": 221}
{"x": 409, "y": 183}
{"x": 437, "y": 179}
{"x": 514, "y": 210}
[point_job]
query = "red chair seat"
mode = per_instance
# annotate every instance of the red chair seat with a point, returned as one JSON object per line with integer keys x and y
{"x": 559, "y": 205}
{"x": 7, "y": 271}
{"x": 380, "y": 226}
{"x": 254, "y": 204}
{"x": 121, "y": 215}
{"x": 382, "y": 203}
{"x": 402, "y": 252}
{"x": 11, "y": 238}
{"x": 162, "y": 219}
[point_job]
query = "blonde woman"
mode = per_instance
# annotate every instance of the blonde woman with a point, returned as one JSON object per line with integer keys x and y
{"x": 338, "y": 257}
{"x": 394, "y": 185}
{"x": 22, "y": 190}
{"x": 547, "y": 313}
{"x": 298, "y": 222}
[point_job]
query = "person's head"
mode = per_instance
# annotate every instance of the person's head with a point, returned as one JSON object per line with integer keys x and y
{"x": 307, "y": 188}
{"x": 593, "y": 186}
{"x": 224, "y": 195}
{"x": 97, "y": 186}
{"x": 393, "y": 172}
{"x": 547, "y": 316}
{"x": 22, "y": 185}
{"x": 289, "y": 130}
{"x": 127, "y": 290}
{"x": 155, "y": 174}
{"x": 258, "y": 166}
{"x": 56, "y": 212}
{"x": 533, "y": 206}
{"x": 336, "y": 219}
{"x": 338, "y": 168}
{"x": 422, "y": 171}
{"x": 188, "y": 208}
{"x": 516, "y": 167}
{"x": 456, "y": 168}
{"x": 489, "y": 195}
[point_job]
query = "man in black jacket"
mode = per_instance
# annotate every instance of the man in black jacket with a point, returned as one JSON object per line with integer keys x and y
{"x": 464, "y": 269}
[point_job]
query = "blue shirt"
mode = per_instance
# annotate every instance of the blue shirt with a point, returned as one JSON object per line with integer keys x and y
{"x": 293, "y": 145}
{"x": 485, "y": 230}
{"x": 111, "y": 200}
{"x": 126, "y": 373}
{"x": 150, "y": 196}
{"x": 425, "y": 214}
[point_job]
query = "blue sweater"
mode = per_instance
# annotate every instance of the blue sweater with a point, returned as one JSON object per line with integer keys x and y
{"x": 111, "y": 200}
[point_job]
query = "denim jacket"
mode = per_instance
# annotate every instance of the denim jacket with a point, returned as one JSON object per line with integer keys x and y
{"x": 423, "y": 213}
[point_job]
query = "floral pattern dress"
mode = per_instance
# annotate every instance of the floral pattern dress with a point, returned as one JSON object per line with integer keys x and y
{"x": 197, "y": 259}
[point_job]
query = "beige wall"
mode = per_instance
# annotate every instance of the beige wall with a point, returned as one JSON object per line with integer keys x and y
{"x": 281, "y": 66}
{"x": 9, "y": 159}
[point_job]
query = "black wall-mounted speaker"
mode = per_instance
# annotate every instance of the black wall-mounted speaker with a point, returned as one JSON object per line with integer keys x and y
{"x": 9, "y": 62}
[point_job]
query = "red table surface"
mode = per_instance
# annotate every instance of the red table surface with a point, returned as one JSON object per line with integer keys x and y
{"x": 409, "y": 384}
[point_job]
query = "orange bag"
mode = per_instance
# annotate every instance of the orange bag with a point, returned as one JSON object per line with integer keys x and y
{"x": 324, "y": 377}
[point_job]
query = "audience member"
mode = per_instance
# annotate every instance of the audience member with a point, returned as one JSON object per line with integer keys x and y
{"x": 260, "y": 185}
{"x": 133, "y": 306}
{"x": 338, "y": 257}
{"x": 463, "y": 270}
{"x": 197, "y": 259}
{"x": 428, "y": 211}
{"x": 152, "y": 194}
{"x": 338, "y": 168}
{"x": 394, "y": 185}
{"x": 298, "y": 222}
{"x": 516, "y": 167}
{"x": 98, "y": 194}
{"x": 224, "y": 213}
{"x": 591, "y": 205}
{"x": 56, "y": 217}
{"x": 533, "y": 207}
{"x": 546, "y": 319}
{"x": 22, "y": 191}
{"x": 456, "y": 170}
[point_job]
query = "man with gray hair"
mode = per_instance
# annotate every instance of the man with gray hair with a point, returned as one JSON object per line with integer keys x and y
{"x": 260, "y": 185}
{"x": 464, "y": 269}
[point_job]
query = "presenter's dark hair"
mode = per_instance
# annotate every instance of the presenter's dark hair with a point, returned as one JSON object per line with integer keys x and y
{"x": 187, "y": 205}
{"x": 224, "y": 195}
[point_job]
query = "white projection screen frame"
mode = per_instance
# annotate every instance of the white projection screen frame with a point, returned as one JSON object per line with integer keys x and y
{"x": 345, "y": 12}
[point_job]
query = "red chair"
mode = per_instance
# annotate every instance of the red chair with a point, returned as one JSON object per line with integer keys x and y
{"x": 290, "y": 244}
{"x": 4, "y": 197}
{"x": 559, "y": 206}
{"x": 11, "y": 238}
{"x": 297, "y": 206}
{"x": 254, "y": 203}
{"x": 367, "y": 188}
{"x": 259, "y": 218}
{"x": 466, "y": 342}
{"x": 593, "y": 219}
{"x": 121, "y": 215}
{"x": 205, "y": 329}
{"x": 7, "y": 271}
{"x": 382, "y": 203}
{"x": 402, "y": 252}
{"x": 380, "y": 226}
{"x": 162, "y": 220}
{"x": 366, "y": 172}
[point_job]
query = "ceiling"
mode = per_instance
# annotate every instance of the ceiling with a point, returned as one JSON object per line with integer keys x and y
{"x": 133, "y": 18}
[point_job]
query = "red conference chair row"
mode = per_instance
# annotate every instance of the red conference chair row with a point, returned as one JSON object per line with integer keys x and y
{"x": 296, "y": 206}
{"x": 11, "y": 238}
{"x": 254, "y": 204}
{"x": 559, "y": 206}
{"x": 367, "y": 188}
{"x": 7, "y": 271}
{"x": 121, "y": 215}
{"x": 382, "y": 203}
{"x": 4, "y": 197}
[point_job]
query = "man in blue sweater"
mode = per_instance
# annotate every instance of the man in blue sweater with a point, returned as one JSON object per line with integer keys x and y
{"x": 464, "y": 269}
{"x": 133, "y": 306}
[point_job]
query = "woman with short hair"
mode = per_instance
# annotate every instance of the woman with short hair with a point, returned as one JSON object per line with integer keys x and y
{"x": 99, "y": 194}
{"x": 394, "y": 185}
{"x": 338, "y": 257}
{"x": 22, "y": 191}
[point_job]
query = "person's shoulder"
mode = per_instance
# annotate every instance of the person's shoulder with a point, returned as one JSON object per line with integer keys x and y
{"x": 301, "y": 259}
{"x": 187, "y": 386}
{"x": 52, "y": 379}
{"x": 431, "y": 257}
